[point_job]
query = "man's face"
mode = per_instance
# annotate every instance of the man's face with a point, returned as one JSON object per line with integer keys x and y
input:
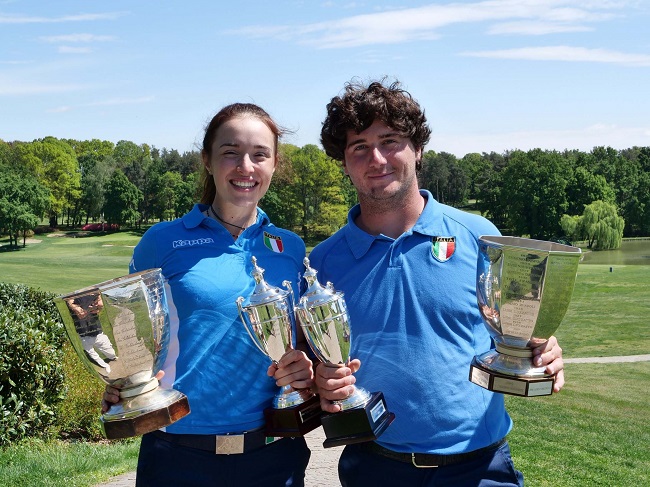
{"x": 381, "y": 163}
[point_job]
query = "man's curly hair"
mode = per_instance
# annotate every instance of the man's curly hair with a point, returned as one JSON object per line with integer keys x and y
{"x": 361, "y": 105}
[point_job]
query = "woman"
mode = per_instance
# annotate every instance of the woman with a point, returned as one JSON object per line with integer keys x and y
{"x": 205, "y": 258}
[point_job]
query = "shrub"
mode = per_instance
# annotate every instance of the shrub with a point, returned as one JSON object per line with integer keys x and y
{"x": 78, "y": 414}
{"x": 31, "y": 374}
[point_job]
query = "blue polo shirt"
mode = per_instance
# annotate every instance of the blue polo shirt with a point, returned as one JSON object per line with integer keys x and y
{"x": 416, "y": 326}
{"x": 211, "y": 358}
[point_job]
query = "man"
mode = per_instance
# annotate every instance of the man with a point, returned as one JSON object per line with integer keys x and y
{"x": 413, "y": 310}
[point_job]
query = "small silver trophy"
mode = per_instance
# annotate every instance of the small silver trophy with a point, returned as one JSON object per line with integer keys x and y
{"x": 523, "y": 289}
{"x": 267, "y": 316}
{"x": 326, "y": 324}
{"x": 120, "y": 331}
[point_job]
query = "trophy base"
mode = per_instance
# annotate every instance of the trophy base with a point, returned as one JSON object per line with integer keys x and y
{"x": 293, "y": 421}
{"x": 365, "y": 423}
{"x": 144, "y": 413}
{"x": 510, "y": 384}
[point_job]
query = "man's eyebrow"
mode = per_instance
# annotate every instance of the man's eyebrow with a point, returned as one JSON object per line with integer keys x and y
{"x": 381, "y": 136}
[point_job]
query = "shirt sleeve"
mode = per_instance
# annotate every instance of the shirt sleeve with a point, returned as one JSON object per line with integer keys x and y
{"x": 144, "y": 254}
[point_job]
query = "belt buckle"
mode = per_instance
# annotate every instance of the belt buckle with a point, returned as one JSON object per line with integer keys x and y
{"x": 229, "y": 444}
{"x": 421, "y": 466}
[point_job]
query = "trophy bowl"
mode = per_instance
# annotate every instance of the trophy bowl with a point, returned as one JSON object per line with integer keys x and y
{"x": 523, "y": 289}
{"x": 120, "y": 331}
{"x": 325, "y": 321}
{"x": 267, "y": 316}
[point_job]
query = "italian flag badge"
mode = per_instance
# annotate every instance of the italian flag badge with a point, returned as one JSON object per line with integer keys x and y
{"x": 443, "y": 248}
{"x": 274, "y": 243}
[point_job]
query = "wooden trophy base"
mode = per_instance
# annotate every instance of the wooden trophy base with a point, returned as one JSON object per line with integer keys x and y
{"x": 145, "y": 422}
{"x": 357, "y": 425}
{"x": 508, "y": 384}
{"x": 294, "y": 421}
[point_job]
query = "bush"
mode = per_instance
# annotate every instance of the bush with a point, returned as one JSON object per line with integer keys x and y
{"x": 45, "y": 390}
{"x": 78, "y": 415}
{"x": 31, "y": 374}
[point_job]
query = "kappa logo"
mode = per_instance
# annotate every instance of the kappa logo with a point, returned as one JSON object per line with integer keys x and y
{"x": 190, "y": 243}
{"x": 273, "y": 242}
{"x": 443, "y": 248}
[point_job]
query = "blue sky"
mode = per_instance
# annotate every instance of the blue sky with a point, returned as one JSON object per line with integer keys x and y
{"x": 491, "y": 75}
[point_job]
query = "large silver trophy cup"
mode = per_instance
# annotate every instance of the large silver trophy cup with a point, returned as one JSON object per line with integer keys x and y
{"x": 120, "y": 331}
{"x": 267, "y": 316}
{"x": 523, "y": 289}
{"x": 325, "y": 321}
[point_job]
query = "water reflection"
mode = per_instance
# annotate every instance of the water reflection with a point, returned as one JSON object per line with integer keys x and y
{"x": 632, "y": 252}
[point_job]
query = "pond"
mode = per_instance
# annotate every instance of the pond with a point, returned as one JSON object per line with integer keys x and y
{"x": 632, "y": 252}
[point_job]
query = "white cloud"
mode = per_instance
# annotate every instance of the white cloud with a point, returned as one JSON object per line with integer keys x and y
{"x": 25, "y": 19}
{"x": 104, "y": 103}
{"x": 426, "y": 22}
{"x": 536, "y": 28}
{"x": 12, "y": 89}
{"x": 81, "y": 38}
{"x": 121, "y": 101}
{"x": 565, "y": 53}
{"x": 74, "y": 50}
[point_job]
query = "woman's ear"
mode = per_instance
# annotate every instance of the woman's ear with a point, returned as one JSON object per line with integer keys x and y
{"x": 206, "y": 161}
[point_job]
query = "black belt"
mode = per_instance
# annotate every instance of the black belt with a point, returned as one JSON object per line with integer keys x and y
{"x": 220, "y": 444}
{"x": 427, "y": 460}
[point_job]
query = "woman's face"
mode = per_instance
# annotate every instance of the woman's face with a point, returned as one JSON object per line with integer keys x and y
{"x": 242, "y": 161}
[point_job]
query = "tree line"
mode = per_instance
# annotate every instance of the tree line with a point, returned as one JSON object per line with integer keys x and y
{"x": 598, "y": 196}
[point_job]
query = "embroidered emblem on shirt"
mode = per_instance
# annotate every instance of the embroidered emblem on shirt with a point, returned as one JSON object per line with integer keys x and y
{"x": 443, "y": 247}
{"x": 273, "y": 242}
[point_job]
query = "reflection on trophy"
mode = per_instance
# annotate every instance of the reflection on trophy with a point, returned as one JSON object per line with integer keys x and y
{"x": 267, "y": 317}
{"x": 523, "y": 289}
{"x": 326, "y": 323}
{"x": 120, "y": 331}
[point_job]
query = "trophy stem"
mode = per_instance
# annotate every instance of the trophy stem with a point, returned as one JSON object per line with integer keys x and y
{"x": 139, "y": 389}
{"x": 513, "y": 351}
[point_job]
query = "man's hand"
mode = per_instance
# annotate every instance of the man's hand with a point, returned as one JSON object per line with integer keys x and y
{"x": 549, "y": 354}
{"x": 335, "y": 384}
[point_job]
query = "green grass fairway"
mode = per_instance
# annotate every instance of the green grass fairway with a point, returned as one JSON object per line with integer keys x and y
{"x": 61, "y": 263}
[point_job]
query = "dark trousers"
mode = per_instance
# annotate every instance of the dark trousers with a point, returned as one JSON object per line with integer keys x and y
{"x": 361, "y": 468}
{"x": 162, "y": 463}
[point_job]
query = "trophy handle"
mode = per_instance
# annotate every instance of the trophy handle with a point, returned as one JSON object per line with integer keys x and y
{"x": 287, "y": 285}
{"x": 249, "y": 327}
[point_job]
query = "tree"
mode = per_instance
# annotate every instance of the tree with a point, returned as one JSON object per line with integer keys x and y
{"x": 600, "y": 225}
{"x": 122, "y": 199}
{"x": 535, "y": 187}
{"x": 491, "y": 198}
{"x": 23, "y": 201}
{"x": 54, "y": 164}
{"x": 586, "y": 187}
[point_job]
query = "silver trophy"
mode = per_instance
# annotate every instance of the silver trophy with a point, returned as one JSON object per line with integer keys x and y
{"x": 120, "y": 331}
{"x": 267, "y": 316}
{"x": 326, "y": 323}
{"x": 523, "y": 289}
